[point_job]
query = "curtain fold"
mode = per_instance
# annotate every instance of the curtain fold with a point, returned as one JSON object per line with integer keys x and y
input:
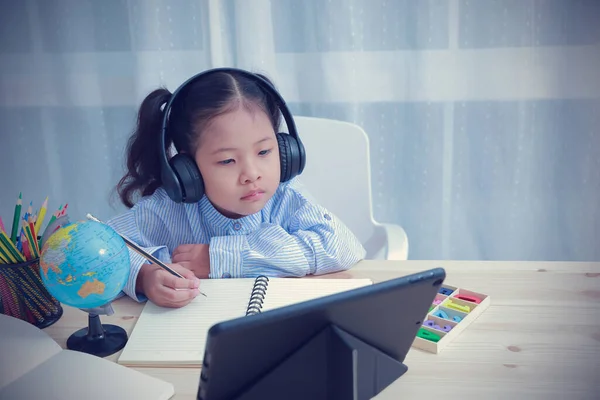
{"x": 483, "y": 116}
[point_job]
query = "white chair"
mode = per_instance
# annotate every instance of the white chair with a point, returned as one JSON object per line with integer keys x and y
{"x": 338, "y": 176}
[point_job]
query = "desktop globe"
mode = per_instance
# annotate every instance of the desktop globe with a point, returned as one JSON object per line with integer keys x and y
{"x": 85, "y": 265}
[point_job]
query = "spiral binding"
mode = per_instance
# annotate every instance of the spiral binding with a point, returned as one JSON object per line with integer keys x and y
{"x": 258, "y": 294}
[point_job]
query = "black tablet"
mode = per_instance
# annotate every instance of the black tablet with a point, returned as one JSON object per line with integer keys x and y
{"x": 349, "y": 345}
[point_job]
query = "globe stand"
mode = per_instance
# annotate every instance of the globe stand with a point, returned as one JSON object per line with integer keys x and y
{"x": 98, "y": 339}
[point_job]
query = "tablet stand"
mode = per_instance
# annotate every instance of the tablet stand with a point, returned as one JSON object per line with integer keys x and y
{"x": 332, "y": 365}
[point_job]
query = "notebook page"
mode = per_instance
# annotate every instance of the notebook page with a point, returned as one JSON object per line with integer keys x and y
{"x": 71, "y": 375}
{"x": 177, "y": 336}
{"x": 22, "y": 347}
{"x": 285, "y": 291}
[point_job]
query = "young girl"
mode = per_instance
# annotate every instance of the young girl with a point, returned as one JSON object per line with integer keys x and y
{"x": 247, "y": 222}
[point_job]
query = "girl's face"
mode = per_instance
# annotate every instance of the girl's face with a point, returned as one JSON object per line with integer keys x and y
{"x": 238, "y": 158}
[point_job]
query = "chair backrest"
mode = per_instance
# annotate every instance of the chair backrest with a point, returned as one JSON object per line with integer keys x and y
{"x": 338, "y": 172}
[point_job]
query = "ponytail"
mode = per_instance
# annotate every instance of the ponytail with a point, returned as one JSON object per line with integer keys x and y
{"x": 143, "y": 166}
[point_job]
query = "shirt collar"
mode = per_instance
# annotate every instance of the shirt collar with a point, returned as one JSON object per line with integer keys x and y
{"x": 219, "y": 225}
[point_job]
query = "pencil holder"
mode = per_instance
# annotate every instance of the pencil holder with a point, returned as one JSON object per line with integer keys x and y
{"x": 24, "y": 296}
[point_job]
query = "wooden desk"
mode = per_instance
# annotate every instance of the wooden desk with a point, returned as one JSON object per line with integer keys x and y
{"x": 539, "y": 339}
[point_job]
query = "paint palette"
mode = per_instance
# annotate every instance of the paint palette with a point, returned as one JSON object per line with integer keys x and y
{"x": 453, "y": 310}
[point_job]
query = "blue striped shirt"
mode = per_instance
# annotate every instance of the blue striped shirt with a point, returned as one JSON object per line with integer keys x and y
{"x": 290, "y": 237}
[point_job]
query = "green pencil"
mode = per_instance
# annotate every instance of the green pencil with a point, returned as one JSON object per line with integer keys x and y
{"x": 54, "y": 216}
{"x": 16, "y": 218}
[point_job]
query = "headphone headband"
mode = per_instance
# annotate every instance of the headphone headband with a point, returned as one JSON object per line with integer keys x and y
{"x": 265, "y": 85}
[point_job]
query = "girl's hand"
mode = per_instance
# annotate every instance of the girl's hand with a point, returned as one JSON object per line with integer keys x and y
{"x": 194, "y": 257}
{"x": 165, "y": 289}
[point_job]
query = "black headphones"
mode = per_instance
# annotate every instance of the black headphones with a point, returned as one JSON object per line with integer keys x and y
{"x": 180, "y": 175}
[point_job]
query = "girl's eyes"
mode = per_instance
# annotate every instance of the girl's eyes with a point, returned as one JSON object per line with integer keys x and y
{"x": 231, "y": 160}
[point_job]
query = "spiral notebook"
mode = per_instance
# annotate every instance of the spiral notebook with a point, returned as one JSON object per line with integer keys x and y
{"x": 176, "y": 337}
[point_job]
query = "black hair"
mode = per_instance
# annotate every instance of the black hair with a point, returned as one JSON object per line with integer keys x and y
{"x": 212, "y": 95}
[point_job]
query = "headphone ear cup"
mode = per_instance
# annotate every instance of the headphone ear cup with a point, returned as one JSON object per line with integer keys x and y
{"x": 291, "y": 156}
{"x": 170, "y": 182}
{"x": 284, "y": 157}
{"x": 190, "y": 180}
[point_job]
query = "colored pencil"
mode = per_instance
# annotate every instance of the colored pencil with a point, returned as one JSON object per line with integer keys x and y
{"x": 26, "y": 252}
{"x": 29, "y": 210}
{"x": 5, "y": 248}
{"x": 41, "y": 215}
{"x": 21, "y": 243}
{"x": 34, "y": 235}
{"x": 17, "y": 216}
{"x": 52, "y": 227}
{"x": 3, "y": 257}
{"x": 11, "y": 247}
{"x": 31, "y": 239}
{"x": 55, "y": 215}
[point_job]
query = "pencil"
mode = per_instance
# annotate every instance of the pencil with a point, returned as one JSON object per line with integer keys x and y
{"x": 30, "y": 238}
{"x": 28, "y": 255}
{"x": 34, "y": 236}
{"x": 4, "y": 257}
{"x": 15, "y": 226}
{"x": 10, "y": 247}
{"x": 2, "y": 227}
{"x": 41, "y": 215}
{"x": 55, "y": 215}
{"x": 142, "y": 252}
{"x": 30, "y": 210}
{"x": 52, "y": 226}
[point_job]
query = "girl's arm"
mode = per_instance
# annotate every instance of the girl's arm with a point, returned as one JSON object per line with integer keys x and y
{"x": 308, "y": 240}
{"x": 128, "y": 224}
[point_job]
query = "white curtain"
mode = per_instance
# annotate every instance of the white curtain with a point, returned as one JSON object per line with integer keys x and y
{"x": 483, "y": 115}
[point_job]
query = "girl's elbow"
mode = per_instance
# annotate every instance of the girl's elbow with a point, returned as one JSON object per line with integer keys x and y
{"x": 347, "y": 256}
{"x": 356, "y": 254}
